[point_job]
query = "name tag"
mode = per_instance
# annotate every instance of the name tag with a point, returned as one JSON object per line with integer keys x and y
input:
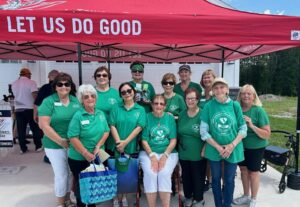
{"x": 57, "y": 104}
{"x": 85, "y": 122}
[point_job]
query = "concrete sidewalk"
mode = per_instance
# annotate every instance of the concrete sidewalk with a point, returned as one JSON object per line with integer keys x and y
{"x": 26, "y": 181}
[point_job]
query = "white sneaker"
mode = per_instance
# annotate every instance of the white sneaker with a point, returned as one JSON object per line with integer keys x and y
{"x": 124, "y": 202}
{"x": 199, "y": 204}
{"x": 252, "y": 203}
{"x": 188, "y": 202}
{"x": 242, "y": 200}
{"x": 116, "y": 203}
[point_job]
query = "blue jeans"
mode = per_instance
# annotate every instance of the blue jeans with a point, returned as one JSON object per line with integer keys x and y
{"x": 223, "y": 199}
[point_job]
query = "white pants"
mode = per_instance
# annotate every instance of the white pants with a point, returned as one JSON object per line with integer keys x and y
{"x": 62, "y": 173}
{"x": 158, "y": 181}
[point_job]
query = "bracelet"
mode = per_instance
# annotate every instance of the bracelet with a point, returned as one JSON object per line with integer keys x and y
{"x": 151, "y": 154}
{"x": 97, "y": 147}
{"x": 166, "y": 154}
{"x": 233, "y": 144}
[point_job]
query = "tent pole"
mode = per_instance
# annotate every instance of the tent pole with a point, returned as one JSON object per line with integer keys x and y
{"x": 223, "y": 56}
{"x": 79, "y": 62}
{"x": 298, "y": 123}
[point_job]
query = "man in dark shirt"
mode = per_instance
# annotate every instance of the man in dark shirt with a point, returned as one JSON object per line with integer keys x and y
{"x": 44, "y": 92}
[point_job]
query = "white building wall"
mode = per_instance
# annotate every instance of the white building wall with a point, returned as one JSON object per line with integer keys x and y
{"x": 9, "y": 72}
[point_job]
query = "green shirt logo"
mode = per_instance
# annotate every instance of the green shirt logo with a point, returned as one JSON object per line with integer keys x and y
{"x": 173, "y": 107}
{"x": 159, "y": 134}
{"x": 112, "y": 101}
{"x": 196, "y": 128}
{"x": 222, "y": 123}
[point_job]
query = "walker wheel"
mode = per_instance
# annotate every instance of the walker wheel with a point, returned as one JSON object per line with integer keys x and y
{"x": 263, "y": 166}
{"x": 282, "y": 186}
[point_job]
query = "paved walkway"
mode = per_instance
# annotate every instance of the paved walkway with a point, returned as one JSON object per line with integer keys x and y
{"x": 26, "y": 181}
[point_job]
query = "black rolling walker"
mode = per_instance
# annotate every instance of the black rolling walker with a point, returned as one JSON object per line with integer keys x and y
{"x": 281, "y": 157}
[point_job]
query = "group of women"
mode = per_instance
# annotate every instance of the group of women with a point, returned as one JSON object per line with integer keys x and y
{"x": 185, "y": 124}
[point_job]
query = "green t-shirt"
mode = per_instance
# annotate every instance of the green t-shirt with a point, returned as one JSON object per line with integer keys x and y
{"x": 175, "y": 105}
{"x": 145, "y": 91}
{"x": 259, "y": 118}
{"x": 202, "y": 102}
{"x": 179, "y": 91}
{"x": 159, "y": 131}
{"x": 126, "y": 121}
{"x": 105, "y": 102}
{"x": 60, "y": 117}
{"x": 224, "y": 120}
{"x": 189, "y": 140}
{"x": 89, "y": 129}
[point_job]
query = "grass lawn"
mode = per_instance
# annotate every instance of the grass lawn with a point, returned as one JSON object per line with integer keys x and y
{"x": 282, "y": 114}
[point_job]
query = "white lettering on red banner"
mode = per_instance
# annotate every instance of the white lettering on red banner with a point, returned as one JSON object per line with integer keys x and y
{"x": 21, "y": 24}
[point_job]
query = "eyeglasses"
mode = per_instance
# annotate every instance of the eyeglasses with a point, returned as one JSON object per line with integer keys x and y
{"x": 101, "y": 75}
{"x": 171, "y": 83}
{"x": 137, "y": 71}
{"x": 59, "y": 84}
{"x": 159, "y": 103}
{"x": 128, "y": 91}
{"x": 85, "y": 97}
{"x": 191, "y": 99}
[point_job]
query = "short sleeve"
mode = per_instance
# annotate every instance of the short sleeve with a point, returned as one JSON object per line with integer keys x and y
{"x": 74, "y": 126}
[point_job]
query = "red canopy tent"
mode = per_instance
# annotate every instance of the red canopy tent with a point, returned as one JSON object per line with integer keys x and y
{"x": 147, "y": 30}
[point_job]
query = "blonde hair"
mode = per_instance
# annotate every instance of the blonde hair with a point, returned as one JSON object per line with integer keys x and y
{"x": 249, "y": 87}
{"x": 207, "y": 72}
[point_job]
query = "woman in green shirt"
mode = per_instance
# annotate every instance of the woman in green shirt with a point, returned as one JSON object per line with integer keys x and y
{"x": 223, "y": 127}
{"x": 108, "y": 97}
{"x": 175, "y": 103}
{"x": 189, "y": 148}
{"x": 126, "y": 122}
{"x": 159, "y": 157}
{"x": 88, "y": 131}
{"x": 55, "y": 114}
{"x": 255, "y": 143}
{"x": 207, "y": 78}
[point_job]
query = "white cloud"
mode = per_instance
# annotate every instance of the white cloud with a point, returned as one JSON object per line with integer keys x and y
{"x": 280, "y": 12}
{"x": 267, "y": 11}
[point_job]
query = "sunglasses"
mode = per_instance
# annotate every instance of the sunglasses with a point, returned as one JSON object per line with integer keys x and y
{"x": 85, "y": 97}
{"x": 59, "y": 84}
{"x": 101, "y": 75}
{"x": 137, "y": 71}
{"x": 159, "y": 103}
{"x": 171, "y": 83}
{"x": 128, "y": 91}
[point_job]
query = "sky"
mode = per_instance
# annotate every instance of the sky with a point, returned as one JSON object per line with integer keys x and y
{"x": 280, "y": 7}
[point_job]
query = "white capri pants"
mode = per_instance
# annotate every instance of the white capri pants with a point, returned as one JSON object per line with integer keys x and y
{"x": 158, "y": 181}
{"x": 62, "y": 173}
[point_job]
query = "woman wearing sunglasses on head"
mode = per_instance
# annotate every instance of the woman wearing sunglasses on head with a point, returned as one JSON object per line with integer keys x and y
{"x": 55, "y": 114}
{"x": 108, "y": 97}
{"x": 174, "y": 102}
{"x": 126, "y": 122}
{"x": 159, "y": 157}
{"x": 88, "y": 131}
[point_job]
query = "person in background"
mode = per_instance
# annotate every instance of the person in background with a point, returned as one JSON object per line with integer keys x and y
{"x": 223, "y": 128}
{"x": 144, "y": 90}
{"x": 55, "y": 114}
{"x": 88, "y": 131}
{"x": 185, "y": 73}
{"x": 108, "y": 97}
{"x": 159, "y": 157}
{"x": 259, "y": 132}
{"x": 207, "y": 78}
{"x": 25, "y": 91}
{"x": 193, "y": 165}
{"x": 175, "y": 103}
{"x": 45, "y": 91}
{"x": 126, "y": 122}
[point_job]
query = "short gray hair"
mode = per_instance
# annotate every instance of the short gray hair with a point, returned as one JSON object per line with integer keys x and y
{"x": 85, "y": 89}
